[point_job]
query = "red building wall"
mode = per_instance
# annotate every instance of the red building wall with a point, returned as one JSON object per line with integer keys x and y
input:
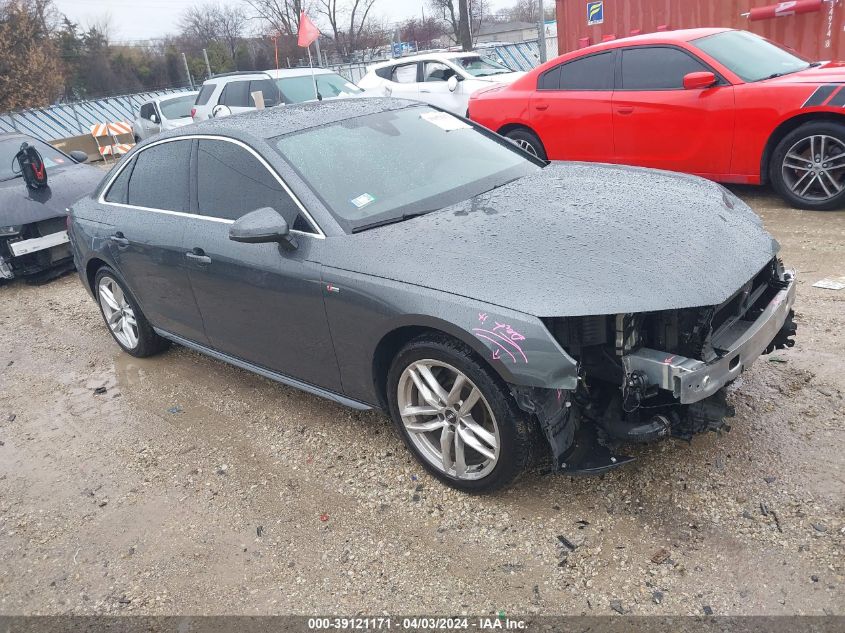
{"x": 819, "y": 35}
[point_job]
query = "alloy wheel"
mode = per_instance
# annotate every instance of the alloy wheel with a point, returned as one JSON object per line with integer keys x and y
{"x": 118, "y": 312}
{"x": 448, "y": 420}
{"x": 525, "y": 146}
{"x": 814, "y": 168}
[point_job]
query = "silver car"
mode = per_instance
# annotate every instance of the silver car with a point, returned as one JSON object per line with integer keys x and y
{"x": 163, "y": 113}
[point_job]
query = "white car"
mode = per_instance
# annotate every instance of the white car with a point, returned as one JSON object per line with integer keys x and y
{"x": 231, "y": 93}
{"x": 443, "y": 79}
{"x": 163, "y": 113}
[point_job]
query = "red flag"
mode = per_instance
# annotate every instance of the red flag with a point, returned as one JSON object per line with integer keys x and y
{"x": 307, "y": 31}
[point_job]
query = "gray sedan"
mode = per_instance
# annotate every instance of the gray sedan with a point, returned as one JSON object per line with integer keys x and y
{"x": 385, "y": 254}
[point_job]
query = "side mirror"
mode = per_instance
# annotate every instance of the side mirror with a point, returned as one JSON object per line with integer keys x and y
{"x": 154, "y": 118}
{"x": 694, "y": 81}
{"x": 262, "y": 226}
{"x": 220, "y": 111}
{"x": 453, "y": 82}
{"x": 78, "y": 156}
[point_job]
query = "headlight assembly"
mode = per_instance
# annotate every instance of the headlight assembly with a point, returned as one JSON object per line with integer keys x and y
{"x": 9, "y": 230}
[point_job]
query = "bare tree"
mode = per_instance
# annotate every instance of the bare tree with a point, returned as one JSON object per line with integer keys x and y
{"x": 281, "y": 15}
{"x": 201, "y": 22}
{"x": 526, "y": 11}
{"x": 231, "y": 21}
{"x": 348, "y": 21}
{"x": 463, "y": 18}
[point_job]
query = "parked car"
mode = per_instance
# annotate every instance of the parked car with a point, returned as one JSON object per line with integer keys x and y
{"x": 498, "y": 308}
{"x": 232, "y": 93}
{"x": 163, "y": 113}
{"x": 723, "y": 104}
{"x": 443, "y": 79}
{"x": 33, "y": 239}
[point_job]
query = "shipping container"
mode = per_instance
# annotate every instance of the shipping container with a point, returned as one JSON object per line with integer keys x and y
{"x": 814, "y": 28}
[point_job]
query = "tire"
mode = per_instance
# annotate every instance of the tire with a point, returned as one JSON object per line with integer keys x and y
{"x": 799, "y": 178}
{"x": 120, "y": 301}
{"x": 506, "y": 437}
{"x": 528, "y": 142}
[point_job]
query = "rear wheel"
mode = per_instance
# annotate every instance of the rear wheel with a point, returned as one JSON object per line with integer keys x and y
{"x": 528, "y": 141}
{"x": 808, "y": 166}
{"x": 457, "y": 418}
{"x": 127, "y": 324}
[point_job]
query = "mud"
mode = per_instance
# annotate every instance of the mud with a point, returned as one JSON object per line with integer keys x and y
{"x": 181, "y": 485}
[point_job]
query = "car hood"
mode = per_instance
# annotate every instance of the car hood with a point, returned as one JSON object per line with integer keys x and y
{"x": 828, "y": 72}
{"x": 504, "y": 78}
{"x": 21, "y": 205}
{"x": 575, "y": 239}
{"x": 172, "y": 124}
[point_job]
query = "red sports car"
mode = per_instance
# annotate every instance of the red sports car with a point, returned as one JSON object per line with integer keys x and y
{"x": 723, "y": 104}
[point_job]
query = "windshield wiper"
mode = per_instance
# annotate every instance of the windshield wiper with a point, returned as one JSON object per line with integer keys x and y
{"x": 385, "y": 222}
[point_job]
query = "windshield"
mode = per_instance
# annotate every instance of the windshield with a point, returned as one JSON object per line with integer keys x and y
{"x": 178, "y": 108}
{"x": 480, "y": 66}
{"x": 299, "y": 89}
{"x": 385, "y": 167}
{"x": 9, "y": 167}
{"x": 751, "y": 57}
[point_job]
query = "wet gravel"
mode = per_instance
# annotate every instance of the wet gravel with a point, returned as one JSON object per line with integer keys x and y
{"x": 178, "y": 484}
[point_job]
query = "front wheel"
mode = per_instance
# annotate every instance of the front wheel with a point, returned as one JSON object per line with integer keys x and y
{"x": 527, "y": 141}
{"x": 808, "y": 166}
{"x": 457, "y": 417}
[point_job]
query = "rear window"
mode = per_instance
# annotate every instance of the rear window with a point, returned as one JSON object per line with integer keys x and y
{"x": 205, "y": 94}
{"x": 586, "y": 73}
{"x": 299, "y": 89}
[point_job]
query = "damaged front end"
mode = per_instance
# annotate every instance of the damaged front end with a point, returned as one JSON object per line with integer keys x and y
{"x": 651, "y": 375}
{"x": 37, "y": 251}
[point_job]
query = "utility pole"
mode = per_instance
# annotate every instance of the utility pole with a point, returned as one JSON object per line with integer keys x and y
{"x": 188, "y": 71}
{"x": 207, "y": 65}
{"x": 319, "y": 57}
{"x": 541, "y": 31}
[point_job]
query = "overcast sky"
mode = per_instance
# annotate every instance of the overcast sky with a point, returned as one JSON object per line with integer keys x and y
{"x": 143, "y": 19}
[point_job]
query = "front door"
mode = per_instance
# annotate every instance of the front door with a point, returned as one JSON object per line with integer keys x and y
{"x": 150, "y": 197}
{"x": 260, "y": 303}
{"x": 571, "y": 109}
{"x": 656, "y": 123}
{"x": 434, "y": 88}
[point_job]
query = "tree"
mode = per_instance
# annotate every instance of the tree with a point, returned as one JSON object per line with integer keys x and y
{"x": 348, "y": 21}
{"x": 462, "y": 18}
{"x": 30, "y": 73}
{"x": 281, "y": 15}
{"x": 527, "y": 11}
{"x": 424, "y": 32}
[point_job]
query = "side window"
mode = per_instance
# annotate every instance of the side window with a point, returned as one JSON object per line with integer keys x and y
{"x": 120, "y": 187}
{"x": 231, "y": 182}
{"x": 550, "y": 80}
{"x": 385, "y": 72}
{"x": 266, "y": 87}
{"x": 235, "y": 94}
{"x": 147, "y": 111}
{"x": 657, "y": 68}
{"x": 160, "y": 177}
{"x": 437, "y": 71}
{"x": 405, "y": 74}
{"x": 588, "y": 73}
{"x": 205, "y": 94}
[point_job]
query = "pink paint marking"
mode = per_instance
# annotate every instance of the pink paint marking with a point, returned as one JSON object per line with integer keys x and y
{"x": 506, "y": 340}
{"x": 501, "y": 347}
{"x": 482, "y": 316}
{"x": 496, "y": 354}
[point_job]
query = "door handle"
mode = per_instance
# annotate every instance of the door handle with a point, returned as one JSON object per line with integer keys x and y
{"x": 119, "y": 239}
{"x": 425, "y": 91}
{"x": 541, "y": 106}
{"x": 198, "y": 255}
{"x": 625, "y": 109}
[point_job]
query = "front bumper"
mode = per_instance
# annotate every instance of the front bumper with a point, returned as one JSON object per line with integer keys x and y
{"x": 691, "y": 380}
{"x": 24, "y": 247}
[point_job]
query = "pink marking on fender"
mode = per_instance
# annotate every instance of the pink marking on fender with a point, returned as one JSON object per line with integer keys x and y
{"x": 506, "y": 340}
{"x": 501, "y": 347}
{"x": 496, "y": 354}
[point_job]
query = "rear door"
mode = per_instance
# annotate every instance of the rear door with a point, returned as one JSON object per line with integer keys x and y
{"x": 260, "y": 302}
{"x": 572, "y": 109}
{"x": 150, "y": 200}
{"x": 656, "y": 123}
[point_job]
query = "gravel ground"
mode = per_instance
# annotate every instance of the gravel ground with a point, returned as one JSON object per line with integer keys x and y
{"x": 181, "y": 485}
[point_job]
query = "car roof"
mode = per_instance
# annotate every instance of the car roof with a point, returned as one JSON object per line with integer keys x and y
{"x": 273, "y": 122}
{"x": 224, "y": 77}
{"x": 281, "y": 73}
{"x": 423, "y": 57}
{"x": 660, "y": 37}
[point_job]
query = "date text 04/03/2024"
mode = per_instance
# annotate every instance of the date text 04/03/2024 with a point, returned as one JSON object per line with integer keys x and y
{"x": 499, "y": 622}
